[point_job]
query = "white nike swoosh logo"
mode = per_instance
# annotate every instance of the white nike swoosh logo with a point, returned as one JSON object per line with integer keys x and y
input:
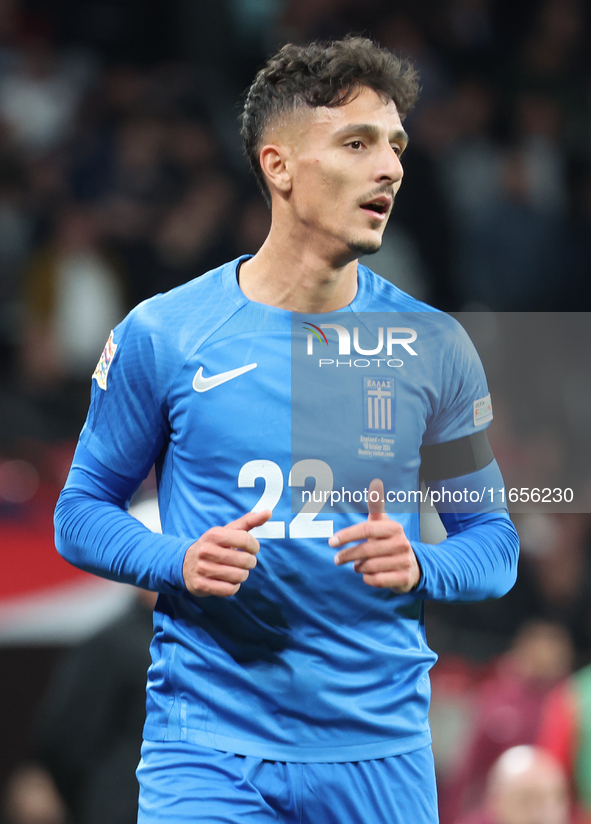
{"x": 201, "y": 384}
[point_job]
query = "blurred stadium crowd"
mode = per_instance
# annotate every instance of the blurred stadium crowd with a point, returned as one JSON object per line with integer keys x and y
{"x": 122, "y": 175}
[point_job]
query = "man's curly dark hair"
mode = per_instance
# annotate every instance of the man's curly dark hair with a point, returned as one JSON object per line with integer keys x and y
{"x": 321, "y": 74}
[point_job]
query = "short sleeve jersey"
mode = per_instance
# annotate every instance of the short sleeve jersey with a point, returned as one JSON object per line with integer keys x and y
{"x": 306, "y": 662}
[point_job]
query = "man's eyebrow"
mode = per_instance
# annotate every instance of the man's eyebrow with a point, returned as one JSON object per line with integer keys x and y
{"x": 371, "y": 129}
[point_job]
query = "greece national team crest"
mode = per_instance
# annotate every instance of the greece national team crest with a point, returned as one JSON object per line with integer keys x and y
{"x": 104, "y": 364}
{"x": 378, "y": 405}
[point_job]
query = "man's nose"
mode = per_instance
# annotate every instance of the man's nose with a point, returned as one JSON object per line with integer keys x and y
{"x": 390, "y": 167}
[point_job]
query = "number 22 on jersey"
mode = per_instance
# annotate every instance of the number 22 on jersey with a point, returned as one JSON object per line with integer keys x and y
{"x": 303, "y": 525}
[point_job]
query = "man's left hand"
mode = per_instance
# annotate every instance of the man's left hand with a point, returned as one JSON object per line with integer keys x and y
{"x": 385, "y": 557}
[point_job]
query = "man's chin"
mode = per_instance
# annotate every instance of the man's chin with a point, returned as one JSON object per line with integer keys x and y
{"x": 365, "y": 247}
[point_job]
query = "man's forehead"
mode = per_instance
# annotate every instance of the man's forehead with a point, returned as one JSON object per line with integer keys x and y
{"x": 364, "y": 107}
{"x": 364, "y": 101}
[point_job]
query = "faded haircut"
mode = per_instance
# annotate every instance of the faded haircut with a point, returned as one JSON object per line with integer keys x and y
{"x": 321, "y": 74}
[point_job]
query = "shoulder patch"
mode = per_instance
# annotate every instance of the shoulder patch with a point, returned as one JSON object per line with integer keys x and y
{"x": 104, "y": 364}
{"x": 483, "y": 411}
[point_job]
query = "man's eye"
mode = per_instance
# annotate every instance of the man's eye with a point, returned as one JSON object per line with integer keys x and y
{"x": 356, "y": 144}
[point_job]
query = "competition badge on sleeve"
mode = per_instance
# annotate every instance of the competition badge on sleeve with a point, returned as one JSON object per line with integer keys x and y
{"x": 483, "y": 411}
{"x": 104, "y": 364}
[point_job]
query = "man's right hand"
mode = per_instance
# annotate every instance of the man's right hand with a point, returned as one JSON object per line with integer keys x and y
{"x": 221, "y": 559}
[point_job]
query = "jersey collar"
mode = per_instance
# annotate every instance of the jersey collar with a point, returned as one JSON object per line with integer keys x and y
{"x": 358, "y": 304}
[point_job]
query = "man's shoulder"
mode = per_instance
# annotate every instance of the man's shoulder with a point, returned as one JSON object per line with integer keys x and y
{"x": 386, "y": 297}
{"x": 185, "y": 311}
{"x": 435, "y": 324}
{"x": 182, "y": 300}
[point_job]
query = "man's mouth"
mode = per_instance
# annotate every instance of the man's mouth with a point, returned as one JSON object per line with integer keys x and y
{"x": 378, "y": 206}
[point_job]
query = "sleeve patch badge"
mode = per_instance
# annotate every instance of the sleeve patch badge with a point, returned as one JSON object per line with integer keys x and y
{"x": 483, "y": 411}
{"x": 104, "y": 364}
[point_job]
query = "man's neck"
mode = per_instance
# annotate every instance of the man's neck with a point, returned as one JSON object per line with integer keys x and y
{"x": 297, "y": 279}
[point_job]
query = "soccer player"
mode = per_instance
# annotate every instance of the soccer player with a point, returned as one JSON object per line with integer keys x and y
{"x": 283, "y": 687}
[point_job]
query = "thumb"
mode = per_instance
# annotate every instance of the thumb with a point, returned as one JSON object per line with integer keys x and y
{"x": 251, "y": 519}
{"x": 376, "y": 507}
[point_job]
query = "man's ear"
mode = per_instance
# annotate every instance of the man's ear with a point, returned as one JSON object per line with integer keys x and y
{"x": 274, "y": 160}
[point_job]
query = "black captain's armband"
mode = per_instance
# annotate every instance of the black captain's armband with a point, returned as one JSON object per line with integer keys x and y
{"x": 442, "y": 461}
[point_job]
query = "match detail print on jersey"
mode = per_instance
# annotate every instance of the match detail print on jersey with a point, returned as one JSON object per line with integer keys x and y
{"x": 203, "y": 384}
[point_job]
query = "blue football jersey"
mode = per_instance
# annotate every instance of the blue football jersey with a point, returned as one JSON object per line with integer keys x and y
{"x": 306, "y": 662}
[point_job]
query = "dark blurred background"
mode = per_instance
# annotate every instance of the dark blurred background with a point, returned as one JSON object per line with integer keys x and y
{"x": 122, "y": 175}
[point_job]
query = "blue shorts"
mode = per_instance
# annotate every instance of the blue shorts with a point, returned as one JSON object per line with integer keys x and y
{"x": 181, "y": 783}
